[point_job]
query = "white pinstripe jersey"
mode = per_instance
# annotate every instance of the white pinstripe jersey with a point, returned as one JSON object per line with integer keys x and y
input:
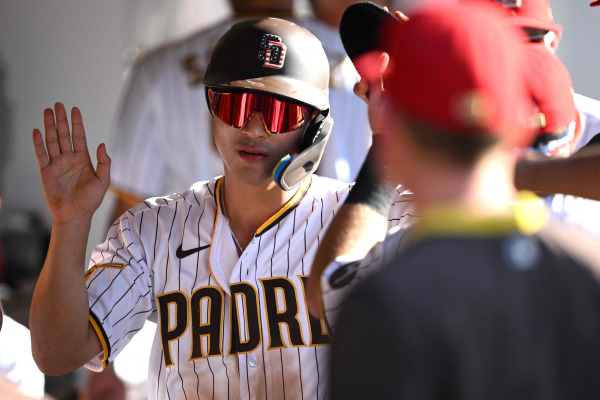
{"x": 578, "y": 212}
{"x": 342, "y": 275}
{"x": 164, "y": 120}
{"x": 227, "y": 328}
{"x": 590, "y": 108}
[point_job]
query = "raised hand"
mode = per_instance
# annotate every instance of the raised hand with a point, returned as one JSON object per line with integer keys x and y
{"x": 72, "y": 187}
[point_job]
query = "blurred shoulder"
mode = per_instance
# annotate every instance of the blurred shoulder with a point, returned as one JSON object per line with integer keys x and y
{"x": 321, "y": 186}
{"x": 199, "y": 42}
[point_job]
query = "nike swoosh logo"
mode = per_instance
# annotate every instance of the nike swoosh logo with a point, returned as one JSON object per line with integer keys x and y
{"x": 180, "y": 253}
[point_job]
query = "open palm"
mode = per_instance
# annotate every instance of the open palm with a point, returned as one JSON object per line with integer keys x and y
{"x": 72, "y": 187}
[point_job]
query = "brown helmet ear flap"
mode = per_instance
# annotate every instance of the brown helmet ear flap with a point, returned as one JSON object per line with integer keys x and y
{"x": 290, "y": 171}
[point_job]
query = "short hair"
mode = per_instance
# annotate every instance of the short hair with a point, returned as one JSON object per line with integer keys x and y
{"x": 460, "y": 148}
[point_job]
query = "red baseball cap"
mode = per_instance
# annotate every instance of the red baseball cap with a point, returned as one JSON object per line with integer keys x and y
{"x": 595, "y": 3}
{"x": 460, "y": 67}
{"x": 552, "y": 91}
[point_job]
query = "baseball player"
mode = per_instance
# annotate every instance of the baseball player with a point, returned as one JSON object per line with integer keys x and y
{"x": 157, "y": 115}
{"x": 561, "y": 131}
{"x": 351, "y": 226}
{"x": 578, "y": 119}
{"x": 489, "y": 300}
{"x": 574, "y": 176}
{"x": 220, "y": 268}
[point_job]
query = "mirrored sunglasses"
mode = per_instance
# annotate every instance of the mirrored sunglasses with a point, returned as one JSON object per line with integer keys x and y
{"x": 237, "y": 108}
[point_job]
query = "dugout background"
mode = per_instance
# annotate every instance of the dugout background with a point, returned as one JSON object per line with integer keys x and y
{"x": 78, "y": 51}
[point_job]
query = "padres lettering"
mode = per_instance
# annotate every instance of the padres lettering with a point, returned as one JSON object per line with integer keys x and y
{"x": 178, "y": 314}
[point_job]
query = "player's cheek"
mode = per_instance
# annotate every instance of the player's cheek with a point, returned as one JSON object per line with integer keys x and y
{"x": 220, "y": 139}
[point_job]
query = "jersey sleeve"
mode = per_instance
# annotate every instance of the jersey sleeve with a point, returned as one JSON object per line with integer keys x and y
{"x": 341, "y": 277}
{"x": 138, "y": 166}
{"x": 590, "y": 110}
{"x": 403, "y": 212}
{"x": 120, "y": 293}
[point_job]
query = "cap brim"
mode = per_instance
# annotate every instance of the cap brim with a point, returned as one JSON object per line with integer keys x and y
{"x": 360, "y": 26}
{"x": 595, "y": 3}
{"x": 531, "y": 22}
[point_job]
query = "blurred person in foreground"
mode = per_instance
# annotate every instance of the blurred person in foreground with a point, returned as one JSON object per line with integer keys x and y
{"x": 573, "y": 175}
{"x": 490, "y": 298}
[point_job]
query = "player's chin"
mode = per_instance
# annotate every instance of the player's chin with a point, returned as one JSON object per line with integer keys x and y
{"x": 256, "y": 176}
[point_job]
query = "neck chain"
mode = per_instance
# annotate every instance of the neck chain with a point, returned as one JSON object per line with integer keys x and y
{"x": 235, "y": 239}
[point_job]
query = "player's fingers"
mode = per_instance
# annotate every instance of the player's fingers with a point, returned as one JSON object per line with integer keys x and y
{"x": 40, "y": 149}
{"x": 103, "y": 168}
{"x": 79, "y": 139}
{"x": 50, "y": 134}
{"x": 401, "y": 16}
{"x": 361, "y": 89}
{"x": 62, "y": 128}
{"x": 376, "y": 90}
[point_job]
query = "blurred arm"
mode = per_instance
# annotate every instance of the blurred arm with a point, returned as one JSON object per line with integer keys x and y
{"x": 355, "y": 229}
{"x": 577, "y": 175}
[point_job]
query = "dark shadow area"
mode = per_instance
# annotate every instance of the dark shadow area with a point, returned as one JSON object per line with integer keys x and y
{"x": 24, "y": 240}
{"x": 6, "y": 126}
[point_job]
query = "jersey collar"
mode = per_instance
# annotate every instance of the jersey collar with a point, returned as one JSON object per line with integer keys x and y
{"x": 527, "y": 215}
{"x": 283, "y": 211}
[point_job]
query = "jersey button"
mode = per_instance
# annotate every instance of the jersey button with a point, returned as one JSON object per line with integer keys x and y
{"x": 252, "y": 362}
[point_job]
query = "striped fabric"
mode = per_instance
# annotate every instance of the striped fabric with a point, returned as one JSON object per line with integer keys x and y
{"x": 342, "y": 276}
{"x": 227, "y": 327}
